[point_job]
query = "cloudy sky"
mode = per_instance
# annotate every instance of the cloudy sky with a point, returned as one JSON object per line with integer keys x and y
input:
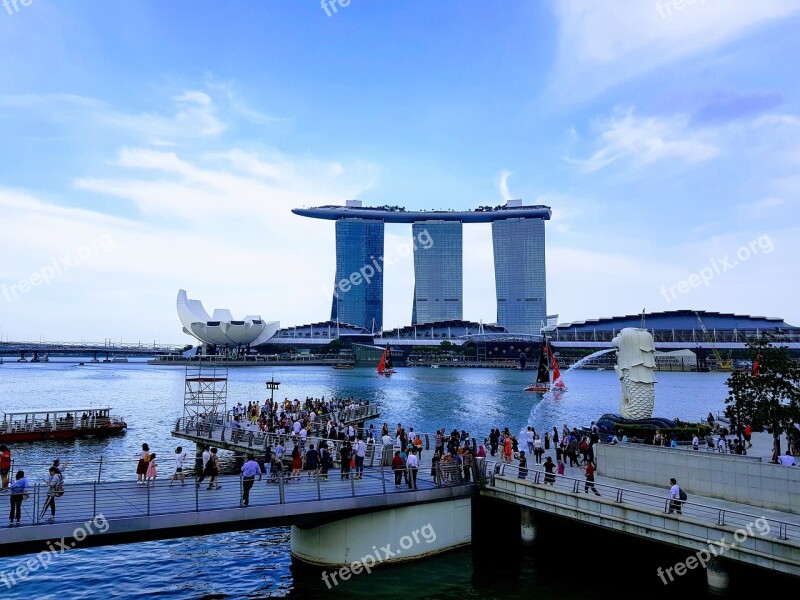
{"x": 151, "y": 146}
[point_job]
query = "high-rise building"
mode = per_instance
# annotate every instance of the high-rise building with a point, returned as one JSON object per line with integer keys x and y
{"x": 358, "y": 288}
{"x": 438, "y": 271}
{"x": 519, "y": 274}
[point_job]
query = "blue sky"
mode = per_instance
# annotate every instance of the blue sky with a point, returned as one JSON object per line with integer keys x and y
{"x": 151, "y": 146}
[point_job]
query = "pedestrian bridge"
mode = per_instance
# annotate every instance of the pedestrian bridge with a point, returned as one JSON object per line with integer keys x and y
{"x": 126, "y": 511}
{"x": 748, "y": 534}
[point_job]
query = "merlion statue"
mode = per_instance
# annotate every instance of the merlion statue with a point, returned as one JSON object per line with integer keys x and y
{"x": 635, "y": 365}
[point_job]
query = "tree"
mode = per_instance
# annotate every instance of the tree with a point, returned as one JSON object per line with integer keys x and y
{"x": 769, "y": 395}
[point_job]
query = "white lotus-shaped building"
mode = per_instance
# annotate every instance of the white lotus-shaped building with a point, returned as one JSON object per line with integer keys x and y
{"x": 222, "y": 329}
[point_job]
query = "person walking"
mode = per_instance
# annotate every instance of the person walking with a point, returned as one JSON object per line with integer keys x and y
{"x": 212, "y": 470}
{"x": 507, "y": 449}
{"x": 5, "y": 466}
{"x": 675, "y": 494}
{"x": 538, "y": 451}
{"x": 141, "y": 466}
{"x": 312, "y": 461}
{"x": 361, "y": 453}
{"x": 346, "y": 455}
{"x": 55, "y": 489}
{"x": 152, "y": 472}
{"x": 413, "y": 467}
{"x": 268, "y": 461}
{"x": 522, "y": 473}
{"x": 398, "y": 467}
{"x": 249, "y": 471}
{"x": 206, "y": 457}
{"x": 18, "y": 494}
{"x": 590, "y": 470}
{"x": 549, "y": 467}
{"x": 180, "y": 458}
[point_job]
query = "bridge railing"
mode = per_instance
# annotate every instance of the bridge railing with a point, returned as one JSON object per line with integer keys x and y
{"x": 114, "y": 500}
{"x": 491, "y": 470}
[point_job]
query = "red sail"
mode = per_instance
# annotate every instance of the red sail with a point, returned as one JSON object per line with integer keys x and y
{"x": 556, "y": 370}
{"x": 382, "y": 364}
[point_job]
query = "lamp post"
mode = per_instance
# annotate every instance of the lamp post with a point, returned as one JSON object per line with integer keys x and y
{"x": 272, "y": 385}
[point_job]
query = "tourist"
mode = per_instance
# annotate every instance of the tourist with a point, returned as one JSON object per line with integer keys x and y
{"x": 481, "y": 452}
{"x": 590, "y": 470}
{"x": 561, "y": 468}
{"x": 141, "y": 467}
{"x": 360, "y": 455}
{"x": 413, "y": 466}
{"x": 786, "y": 459}
{"x": 722, "y": 443}
{"x": 212, "y": 470}
{"x": 614, "y": 440}
{"x": 398, "y": 467}
{"x": 529, "y": 439}
{"x": 748, "y": 434}
{"x": 297, "y": 463}
{"x": 584, "y": 449}
{"x": 312, "y": 461}
{"x": 624, "y": 437}
{"x": 590, "y": 456}
{"x": 55, "y": 489}
{"x": 346, "y": 454}
{"x": 468, "y": 460}
{"x": 675, "y": 497}
{"x": 205, "y": 459}
{"x": 522, "y": 473}
{"x": 507, "y": 449}
{"x": 494, "y": 441}
{"x": 18, "y": 494}
{"x": 180, "y": 458}
{"x": 5, "y": 466}
{"x": 326, "y": 462}
{"x": 538, "y": 451}
{"x": 152, "y": 470}
{"x": 249, "y": 471}
{"x": 549, "y": 467}
{"x": 695, "y": 442}
{"x": 547, "y": 440}
{"x": 657, "y": 438}
{"x": 268, "y": 462}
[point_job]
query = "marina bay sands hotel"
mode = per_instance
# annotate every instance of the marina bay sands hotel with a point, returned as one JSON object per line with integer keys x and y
{"x": 519, "y": 262}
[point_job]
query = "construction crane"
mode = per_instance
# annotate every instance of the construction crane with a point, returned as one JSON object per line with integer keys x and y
{"x": 725, "y": 365}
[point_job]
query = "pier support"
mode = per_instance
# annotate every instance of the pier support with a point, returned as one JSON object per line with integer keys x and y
{"x": 388, "y": 536}
{"x": 528, "y": 526}
{"x": 717, "y": 577}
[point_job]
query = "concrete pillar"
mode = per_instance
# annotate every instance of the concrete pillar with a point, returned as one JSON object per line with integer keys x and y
{"x": 717, "y": 577}
{"x": 392, "y": 535}
{"x": 528, "y": 527}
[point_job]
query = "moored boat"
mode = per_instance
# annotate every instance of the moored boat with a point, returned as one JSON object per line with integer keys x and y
{"x": 46, "y": 424}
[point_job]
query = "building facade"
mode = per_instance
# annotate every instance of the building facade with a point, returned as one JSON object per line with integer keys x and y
{"x": 438, "y": 272}
{"x": 520, "y": 275}
{"x": 358, "y": 287}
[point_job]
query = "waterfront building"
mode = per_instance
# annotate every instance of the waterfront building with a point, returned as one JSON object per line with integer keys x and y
{"x": 519, "y": 254}
{"x": 358, "y": 286}
{"x": 438, "y": 272}
{"x": 519, "y": 273}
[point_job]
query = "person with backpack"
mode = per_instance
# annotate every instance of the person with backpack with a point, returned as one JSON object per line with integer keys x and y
{"x": 55, "y": 489}
{"x": 19, "y": 491}
{"x": 141, "y": 467}
{"x": 677, "y": 497}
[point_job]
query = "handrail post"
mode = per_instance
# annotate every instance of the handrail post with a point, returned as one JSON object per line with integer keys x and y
{"x": 148, "y": 497}
{"x": 100, "y": 468}
{"x": 319, "y": 491}
{"x": 352, "y": 484}
{"x": 383, "y": 477}
{"x": 281, "y": 488}
{"x": 94, "y": 499}
{"x": 196, "y": 494}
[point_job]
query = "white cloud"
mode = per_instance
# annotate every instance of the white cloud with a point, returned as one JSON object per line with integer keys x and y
{"x": 645, "y": 140}
{"x": 602, "y": 44}
{"x": 503, "y": 184}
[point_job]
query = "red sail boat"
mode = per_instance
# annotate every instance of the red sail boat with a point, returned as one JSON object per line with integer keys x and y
{"x": 385, "y": 366}
{"x": 543, "y": 374}
{"x": 558, "y": 383}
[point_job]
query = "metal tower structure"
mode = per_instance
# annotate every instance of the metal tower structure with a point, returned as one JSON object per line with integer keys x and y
{"x": 205, "y": 392}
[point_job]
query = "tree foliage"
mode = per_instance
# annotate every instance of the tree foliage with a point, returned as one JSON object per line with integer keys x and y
{"x": 769, "y": 398}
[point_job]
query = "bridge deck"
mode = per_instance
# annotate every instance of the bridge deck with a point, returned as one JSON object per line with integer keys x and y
{"x": 160, "y": 510}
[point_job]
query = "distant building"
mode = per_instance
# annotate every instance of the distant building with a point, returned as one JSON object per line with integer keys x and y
{"x": 358, "y": 288}
{"x": 519, "y": 257}
{"x": 438, "y": 272}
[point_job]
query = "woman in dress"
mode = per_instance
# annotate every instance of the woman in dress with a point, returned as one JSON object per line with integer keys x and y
{"x": 538, "y": 451}
{"x": 151, "y": 470}
{"x": 212, "y": 470}
{"x": 297, "y": 462}
{"x": 141, "y": 467}
{"x": 507, "y": 449}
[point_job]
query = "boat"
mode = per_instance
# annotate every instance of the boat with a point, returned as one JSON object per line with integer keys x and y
{"x": 343, "y": 366}
{"x": 385, "y": 365}
{"x": 46, "y": 424}
{"x": 543, "y": 374}
{"x": 434, "y": 366}
{"x": 558, "y": 383}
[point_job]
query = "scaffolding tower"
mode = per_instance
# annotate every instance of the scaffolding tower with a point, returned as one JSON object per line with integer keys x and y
{"x": 205, "y": 393}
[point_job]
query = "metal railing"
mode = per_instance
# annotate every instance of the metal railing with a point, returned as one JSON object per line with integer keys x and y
{"x": 115, "y": 500}
{"x": 715, "y": 515}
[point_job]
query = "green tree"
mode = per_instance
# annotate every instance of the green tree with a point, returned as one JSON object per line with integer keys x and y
{"x": 769, "y": 398}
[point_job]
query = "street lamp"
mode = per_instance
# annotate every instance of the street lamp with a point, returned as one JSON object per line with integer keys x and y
{"x": 272, "y": 385}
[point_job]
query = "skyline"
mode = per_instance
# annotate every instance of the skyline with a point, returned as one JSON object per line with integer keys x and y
{"x": 150, "y": 148}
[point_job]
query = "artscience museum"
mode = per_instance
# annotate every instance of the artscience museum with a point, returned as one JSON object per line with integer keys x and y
{"x": 221, "y": 329}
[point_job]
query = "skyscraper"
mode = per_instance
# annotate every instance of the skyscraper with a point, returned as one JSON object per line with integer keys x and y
{"x": 358, "y": 287}
{"x": 438, "y": 271}
{"x": 519, "y": 273}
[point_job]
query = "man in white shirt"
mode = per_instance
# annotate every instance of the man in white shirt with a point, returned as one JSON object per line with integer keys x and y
{"x": 206, "y": 458}
{"x": 360, "y": 452}
{"x": 180, "y": 458}
{"x": 412, "y": 463}
{"x": 296, "y": 427}
{"x": 787, "y": 460}
{"x": 675, "y": 496}
{"x": 695, "y": 443}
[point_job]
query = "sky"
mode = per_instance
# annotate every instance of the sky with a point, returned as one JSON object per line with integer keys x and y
{"x": 151, "y": 146}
